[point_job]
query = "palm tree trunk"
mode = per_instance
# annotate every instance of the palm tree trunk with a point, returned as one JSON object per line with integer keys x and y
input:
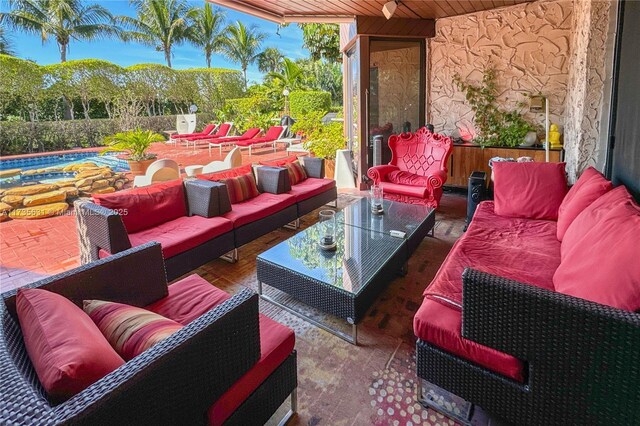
{"x": 63, "y": 52}
{"x": 208, "y": 56}
{"x": 244, "y": 73}
{"x": 167, "y": 55}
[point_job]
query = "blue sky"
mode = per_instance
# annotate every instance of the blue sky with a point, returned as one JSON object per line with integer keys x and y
{"x": 289, "y": 41}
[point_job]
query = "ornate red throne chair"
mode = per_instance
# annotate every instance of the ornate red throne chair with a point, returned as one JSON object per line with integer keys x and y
{"x": 417, "y": 170}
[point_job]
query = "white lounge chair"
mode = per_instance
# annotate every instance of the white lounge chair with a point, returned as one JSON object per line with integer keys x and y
{"x": 158, "y": 171}
{"x": 233, "y": 159}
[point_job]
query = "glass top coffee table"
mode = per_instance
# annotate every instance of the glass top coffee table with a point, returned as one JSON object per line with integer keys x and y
{"x": 344, "y": 283}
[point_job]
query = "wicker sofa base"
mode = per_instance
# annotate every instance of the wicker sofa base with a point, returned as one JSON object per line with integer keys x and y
{"x": 310, "y": 204}
{"x": 189, "y": 260}
{"x": 249, "y": 232}
{"x": 265, "y": 400}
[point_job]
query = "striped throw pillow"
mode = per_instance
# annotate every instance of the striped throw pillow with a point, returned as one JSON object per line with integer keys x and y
{"x": 297, "y": 173}
{"x": 241, "y": 188}
{"x": 129, "y": 330}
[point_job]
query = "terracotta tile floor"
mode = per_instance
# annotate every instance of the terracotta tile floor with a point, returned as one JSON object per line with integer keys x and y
{"x": 32, "y": 249}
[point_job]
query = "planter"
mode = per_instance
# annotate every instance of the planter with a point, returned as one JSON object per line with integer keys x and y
{"x": 329, "y": 168}
{"x": 139, "y": 167}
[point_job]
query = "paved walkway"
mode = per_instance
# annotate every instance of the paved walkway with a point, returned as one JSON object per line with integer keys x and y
{"x": 32, "y": 249}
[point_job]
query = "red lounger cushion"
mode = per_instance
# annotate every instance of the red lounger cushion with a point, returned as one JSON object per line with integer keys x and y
{"x": 258, "y": 208}
{"x": 218, "y": 176}
{"x": 146, "y": 207}
{"x": 524, "y": 250}
{"x": 441, "y": 326}
{"x": 130, "y": 330}
{"x": 604, "y": 266}
{"x": 66, "y": 348}
{"x": 182, "y": 234}
{"x": 407, "y": 178}
{"x": 310, "y": 187}
{"x": 281, "y": 162}
{"x": 590, "y": 186}
{"x": 529, "y": 190}
{"x": 590, "y": 217}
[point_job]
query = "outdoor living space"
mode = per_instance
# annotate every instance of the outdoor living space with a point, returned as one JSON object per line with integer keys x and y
{"x": 404, "y": 212}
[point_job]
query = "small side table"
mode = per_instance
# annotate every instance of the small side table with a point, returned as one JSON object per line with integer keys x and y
{"x": 194, "y": 170}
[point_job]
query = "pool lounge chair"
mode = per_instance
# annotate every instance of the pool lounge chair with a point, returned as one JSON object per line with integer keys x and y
{"x": 270, "y": 138}
{"x": 159, "y": 171}
{"x": 208, "y": 130}
{"x": 232, "y": 140}
{"x": 222, "y": 131}
{"x": 233, "y": 159}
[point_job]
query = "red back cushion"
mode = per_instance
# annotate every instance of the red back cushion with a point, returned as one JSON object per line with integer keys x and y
{"x": 241, "y": 188}
{"x": 591, "y": 186}
{"x": 297, "y": 173}
{"x": 129, "y": 330}
{"x": 223, "y": 130}
{"x": 217, "y": 176}
{"x": 273, "y": 133}
{"x": 66, "y": 348}
{"x": 591, "y": 216}
{"x": 146, "y": 207}
{"x": 208, "y": 128}
{"x": 604, "y": 267}
{"x": 250, "y": 133}
{"x": 529, "y": 190}
{"x": 281, "y": 162}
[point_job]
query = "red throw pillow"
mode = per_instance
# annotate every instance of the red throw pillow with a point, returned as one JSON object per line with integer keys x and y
{"x": 297, "y": 173}
{"x": 407, "y": 178}
{"x": 218, "y": 176}
{"x": 589, "y": 187}
{"x": 129, "y": 329}
{"x": 590, "y": 217}
{"x": 241, "y": 188}
{"x": 529, "y": 190}
{"x": 279, "y": 163}
{"x": 604, "y": 267}
{"x": 146, "y": 207}
{"x": 66, "y": 348}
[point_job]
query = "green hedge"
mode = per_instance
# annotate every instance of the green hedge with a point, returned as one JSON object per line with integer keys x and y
{"x": 43, "y": 136}
{"x": 304, "y": 102}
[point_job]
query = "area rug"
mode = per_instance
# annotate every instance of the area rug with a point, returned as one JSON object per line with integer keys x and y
{"x": 373, "y": 383}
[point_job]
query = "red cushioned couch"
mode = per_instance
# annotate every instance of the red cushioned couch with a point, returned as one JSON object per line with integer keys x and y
{"x": 418, "y": 168}
{"x": 228, "y": 364}
{"x": 532, "y": 315}
{"x": 194, "y": 221}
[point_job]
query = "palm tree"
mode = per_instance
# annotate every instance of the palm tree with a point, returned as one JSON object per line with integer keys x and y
{"x": 159, "y": 24}
{"x": 206, "y": 31}
{"x": 63, "y": 19}
{"x": 291, "y": 76}
{"x": 270, "y": 60}
{"x": 6, "y": 43}
{"x": 242, "y": 45}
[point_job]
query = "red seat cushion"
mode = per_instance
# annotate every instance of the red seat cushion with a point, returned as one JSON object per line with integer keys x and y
{"x": 188, "y": 299}
{"x": 310, "y": 187}
{"x": 146, "y": 207}
{"x": 590, "y": 186}
{"x": 441, "y": 326}
{"x": 590, "y": 217}
{"x": 67, "y": 350}
{"x": 529, "y": 190}
{"x": 183, "y": 233}
{"x": 604, "y": 266}
{"x": 237, "y": 171}
{"x": 276, "y": 344}
{"x": 524, "y": 250}
{"x": 258, "y": 207}
{"x": 407, "y": 178}
{"x": 411, "y": 191}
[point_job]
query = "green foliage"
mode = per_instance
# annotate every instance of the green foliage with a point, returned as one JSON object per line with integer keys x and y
{"x": 303, "y": 102}
{"x": 135, "y": 142}
{"x": 270, "y": 60}
{"x": 326, "y": 140}
{"x": 21, "y": 85}
{"x": 323, "y": 41}
{"x": 496, "y": 127}
{"x": 291, "y": 77}
{"x": 206, "y": 30}
{"x": 253, "y": 111}
{"x": 308, "y": 124}
{"x": 6, "y": 42}
{"x": 324, "y": 76}
{"x": 241, "y": 44}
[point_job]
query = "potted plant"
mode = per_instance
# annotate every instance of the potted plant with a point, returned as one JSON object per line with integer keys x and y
{"x": 136, "y": 143}
{"x": 324, "y": 143}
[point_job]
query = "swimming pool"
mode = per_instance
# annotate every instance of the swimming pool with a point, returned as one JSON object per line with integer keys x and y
{"x": 46, "y": 162}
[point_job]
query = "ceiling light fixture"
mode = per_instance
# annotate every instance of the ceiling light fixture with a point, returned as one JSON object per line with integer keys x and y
{"x": 389, "y": 8}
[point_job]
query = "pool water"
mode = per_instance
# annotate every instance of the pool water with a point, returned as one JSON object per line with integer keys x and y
{"x": 55, "y": 161}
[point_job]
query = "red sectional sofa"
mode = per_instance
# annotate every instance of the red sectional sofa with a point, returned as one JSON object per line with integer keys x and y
{"x": 227, "y": 364}
{"x": 195, "y": 221}
{"x": 533, "y": 314}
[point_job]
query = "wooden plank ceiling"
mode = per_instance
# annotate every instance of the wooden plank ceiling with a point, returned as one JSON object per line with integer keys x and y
{"x": 339, "y": 10}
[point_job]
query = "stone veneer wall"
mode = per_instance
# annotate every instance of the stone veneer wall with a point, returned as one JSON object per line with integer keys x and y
{"x": 528, "y": 45}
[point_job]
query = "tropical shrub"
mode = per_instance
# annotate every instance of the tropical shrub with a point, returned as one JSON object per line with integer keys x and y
{"x": 252, "y": 111}
{"x": 304, "y": 102}
{"x": 135, "y": 142}
{"x": 325, "y": 141}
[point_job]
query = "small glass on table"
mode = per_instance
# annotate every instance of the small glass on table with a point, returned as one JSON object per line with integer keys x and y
{"x": 327, "y": 224}
{"x": 376, "y": 196}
